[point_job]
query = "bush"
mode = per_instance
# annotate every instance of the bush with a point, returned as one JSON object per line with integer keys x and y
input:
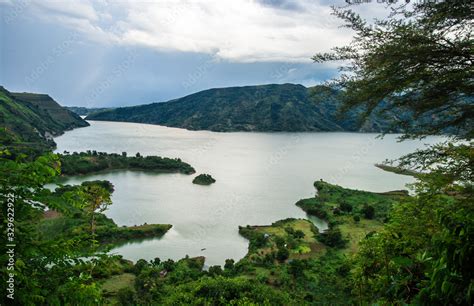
{"x": 356, "y": 218}
{"x": 298, "y": 234}
{"x": 229, "y": 264}
{"x": 368, "y": 211}
{"x": 126, "y": 296}
{"x": 296, "y": 267}
{"x": 280, "y": 242}
{"x": 215, "y": 270}
{"x": 282, "y": 254}
{"x": 345, "y": 207}
{"x": 140, "y": 265}
{"x": 332, "y": 238}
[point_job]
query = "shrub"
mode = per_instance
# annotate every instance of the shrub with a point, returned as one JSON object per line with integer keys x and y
{"x": 345, "y": 207}
{"x": 282, "y": 254}
{"x": 368, "y": 211}
{"x": 215, "y": 270}
{"x": 229, "y": 264}
{"x": 332, "y": 238}
{"x": 298, "y": 234}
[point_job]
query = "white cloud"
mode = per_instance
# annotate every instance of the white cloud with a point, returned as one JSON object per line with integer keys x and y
{"x": 237, "y": 30}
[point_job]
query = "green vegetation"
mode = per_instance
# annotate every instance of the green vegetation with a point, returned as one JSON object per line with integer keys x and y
{"x": 45, "y": 106}
{"x": 285, "y": 239}
{"x": 28, "y": 122}
{"x": 383, "y": 249}
{"x": 81, "y": 217}
{"x": 85, "y": 111}
{"x": 420, "y": 61}
{"x": 286, "y": 107}
{"x": 351, "y": 214}
{"x": 335, "y": 203}
{"x": 289, "y": 256}
{"x": 92, "y": 161}
{"x": 204, "y": 179}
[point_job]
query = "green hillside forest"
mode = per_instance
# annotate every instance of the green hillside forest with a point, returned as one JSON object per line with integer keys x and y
{"x": 399, "y": 247}
{"x": 30, "y": 121}
{"x": 285, "y": 107}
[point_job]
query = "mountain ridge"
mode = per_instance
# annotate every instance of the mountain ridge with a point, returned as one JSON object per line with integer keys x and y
{"x": 30, "y": 121}
{"x": 271, "y": 107}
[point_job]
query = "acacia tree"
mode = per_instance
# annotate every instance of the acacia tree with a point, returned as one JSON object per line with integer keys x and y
{"x": 418, "y": 64}
{"x": 97, "y": 200}
{"x": 419, "y": 60}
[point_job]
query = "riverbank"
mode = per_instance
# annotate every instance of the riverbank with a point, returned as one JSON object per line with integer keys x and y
{"x": 81, "y": 218}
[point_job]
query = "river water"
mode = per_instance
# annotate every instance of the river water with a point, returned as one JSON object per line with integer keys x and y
{"x": 259, "y": 177}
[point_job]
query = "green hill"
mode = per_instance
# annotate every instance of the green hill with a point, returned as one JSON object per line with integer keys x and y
{"x": 285, "y": 107}
{"x": 30, "y": 121}
{"x": 85, "y": 111}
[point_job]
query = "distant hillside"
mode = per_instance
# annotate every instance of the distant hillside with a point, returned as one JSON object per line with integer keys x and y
{"x": 85, "y": 111}
{"x": 30, "y": 121}
{"x": 286, "y": 107}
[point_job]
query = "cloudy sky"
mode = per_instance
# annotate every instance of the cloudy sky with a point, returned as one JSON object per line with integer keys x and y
{"x": 112, "y": 53}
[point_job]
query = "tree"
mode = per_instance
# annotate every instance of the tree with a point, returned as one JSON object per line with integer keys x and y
{"x": 229, "y": 264}
{"x": 296, "y": 267}
{"x": 282, "y": 254}
{"x": 298, "y": 234}
{"x": 35, "y": 260}
{"x": 215, "y": 270}
{"x": 419, "y": 60}
{"x": 344, "y": 206}
{"x": 97, "y": 200}
{"x": 332, "y": 237}
{"x": 417, "y": 65}
{"x": 368, "y": 211}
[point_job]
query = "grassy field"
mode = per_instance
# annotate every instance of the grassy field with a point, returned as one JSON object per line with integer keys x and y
{"x": 353, "y": 213}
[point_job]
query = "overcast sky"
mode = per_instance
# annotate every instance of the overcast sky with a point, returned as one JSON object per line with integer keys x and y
{"x": 113, "y": 53}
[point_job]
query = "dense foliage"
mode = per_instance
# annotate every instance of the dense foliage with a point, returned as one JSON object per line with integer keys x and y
{"x": 379, "y": 248}
{"x": 204, "y": 179}
{"x": 80, "y": 215}
{"x": 286, "y": 107}
{"x": 29, "y": 121}
{"x": 54, "y": 231}
{"x": 93, "y": 161}
{"x": 36, "y": 260}
{"x": 419, "y": 60}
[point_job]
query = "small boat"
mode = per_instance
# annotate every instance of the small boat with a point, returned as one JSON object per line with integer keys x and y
{"x": 203, "y": 249}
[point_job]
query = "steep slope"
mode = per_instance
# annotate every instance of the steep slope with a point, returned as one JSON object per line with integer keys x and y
{"x": 286, "y": 107}
{"x": 31, "y": 126}
{"x": 329, "y": 101}
{"x": 63, "y": 119}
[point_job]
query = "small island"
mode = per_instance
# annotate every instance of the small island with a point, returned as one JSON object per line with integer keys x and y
{"x": 204, "y": 179}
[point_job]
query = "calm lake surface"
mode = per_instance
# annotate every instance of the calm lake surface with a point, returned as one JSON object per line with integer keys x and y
{"x": 260, "y": 176}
